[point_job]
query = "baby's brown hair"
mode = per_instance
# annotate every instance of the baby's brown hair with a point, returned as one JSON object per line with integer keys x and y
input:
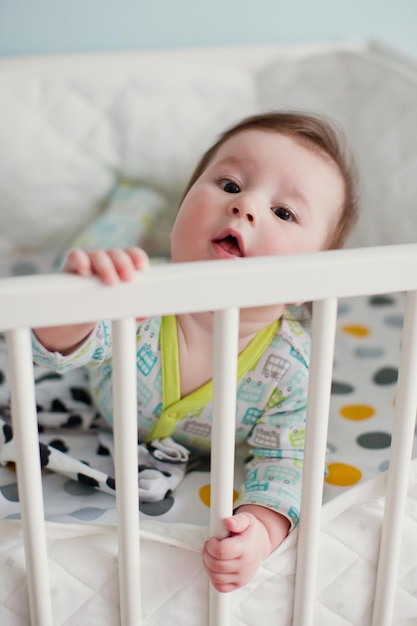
{"x": 314, "y": 131}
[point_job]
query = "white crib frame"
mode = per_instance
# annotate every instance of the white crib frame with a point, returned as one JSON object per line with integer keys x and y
{"x": 222, "y": 287}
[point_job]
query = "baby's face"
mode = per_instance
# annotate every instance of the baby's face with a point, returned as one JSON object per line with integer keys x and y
{"x": 262, "y": 194}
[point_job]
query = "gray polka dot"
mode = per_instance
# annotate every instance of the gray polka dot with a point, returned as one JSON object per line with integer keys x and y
{"x": 381, "y": 300}
{"x": 374, "y": 440}
{"x": 396, "y": 321}
{"x": 155, "y": 509}
{"x": 88, "y": 513}
{"x": 368, "y": 352}
{"x": 383, "y": 466}
{"x": 24, "y": 268}
{"x": 386, "y": 376}
{"x": 343, "y": 308}
{"x": 331, "y": 448}
{"x": 75, "y": 488}
{"x": 339, "y": 388}
{"x": 10, "y": 492}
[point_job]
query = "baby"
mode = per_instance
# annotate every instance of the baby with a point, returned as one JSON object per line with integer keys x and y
{"x": 274, "y": 184}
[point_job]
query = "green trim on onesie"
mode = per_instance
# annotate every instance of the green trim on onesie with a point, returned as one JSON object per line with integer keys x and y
{"x": 171, "y": 387}
{"x": 175, "y": 407}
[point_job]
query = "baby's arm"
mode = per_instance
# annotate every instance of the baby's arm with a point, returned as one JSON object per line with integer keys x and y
{"x": 111, "y": 266}
{"x": 255, "y": 532}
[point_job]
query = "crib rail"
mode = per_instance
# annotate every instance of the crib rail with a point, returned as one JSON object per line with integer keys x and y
{"x": 223, "y": 287}
{"x": 205, "y": 286}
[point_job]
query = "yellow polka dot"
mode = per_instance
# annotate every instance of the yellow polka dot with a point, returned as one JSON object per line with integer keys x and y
{"x": 356, "y": 329}
{"x": 204, "y": 494}
{"x": 343, "y": 475}
{"x": 357, "y": 412}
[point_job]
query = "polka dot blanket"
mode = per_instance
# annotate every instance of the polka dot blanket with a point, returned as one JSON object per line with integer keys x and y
{"x": 76, "y": 449}
{"x": 367, "y": 353}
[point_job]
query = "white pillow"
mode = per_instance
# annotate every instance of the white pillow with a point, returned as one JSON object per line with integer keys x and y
{"x": 374, "y": 99}
{"x": 67, "y": 136}
{"x": 169, "y": 115}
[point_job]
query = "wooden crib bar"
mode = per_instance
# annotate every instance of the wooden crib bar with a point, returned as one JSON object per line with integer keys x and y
{"x": 126, "y": 464}
{"x": 226, "y": 329}
{"x": 23, "y": 405}
{"x": 319, "y": 389}
{"x": 400, "y": 457}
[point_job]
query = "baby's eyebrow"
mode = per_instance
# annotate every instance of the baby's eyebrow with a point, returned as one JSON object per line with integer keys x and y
{"x": 296, "y": 194}
{"x": 233, "y": 161}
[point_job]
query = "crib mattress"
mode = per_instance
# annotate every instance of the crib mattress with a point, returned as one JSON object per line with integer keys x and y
{"x": 84, "y": 594}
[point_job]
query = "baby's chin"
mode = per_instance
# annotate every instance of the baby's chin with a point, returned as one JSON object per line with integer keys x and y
{"x": 262, "y": 315}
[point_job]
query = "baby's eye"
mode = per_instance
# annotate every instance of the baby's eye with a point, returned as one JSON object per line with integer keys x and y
{"x": 282, "y": 213}
{"x": 229, "y": 186}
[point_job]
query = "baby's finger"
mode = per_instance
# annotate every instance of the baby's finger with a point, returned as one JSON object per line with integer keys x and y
{"x": 224, "y": 575}
{"x": 77, "y": 262}
{"x": 238, "y": 523}
{"x": 216, "y": 566}
{"x": 226, "y": 549}
{"x": 123, "y": 263}
{"x": 103, "y": 266}
{"x": 139, "y": 258}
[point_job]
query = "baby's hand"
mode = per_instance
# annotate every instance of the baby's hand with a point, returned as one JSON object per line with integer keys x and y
{"x": 233, "y": 561}
{"x": 111, "y": 266}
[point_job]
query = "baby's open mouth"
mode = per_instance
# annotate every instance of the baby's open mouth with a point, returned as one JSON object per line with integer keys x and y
{"x": 230, "y": 245}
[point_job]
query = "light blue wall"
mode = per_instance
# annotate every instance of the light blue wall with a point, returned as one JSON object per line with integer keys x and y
{"x": 47, "y": 26}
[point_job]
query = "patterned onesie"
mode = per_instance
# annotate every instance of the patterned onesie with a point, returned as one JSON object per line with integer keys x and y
{"x": 270, "y": 405}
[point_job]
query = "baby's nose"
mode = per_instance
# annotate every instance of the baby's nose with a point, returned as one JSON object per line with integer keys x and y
{"x": 244, "y": 212}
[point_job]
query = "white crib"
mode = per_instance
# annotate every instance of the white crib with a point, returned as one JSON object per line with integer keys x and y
{"x": 86, "y": 150}
{"x": 321, "y": 278}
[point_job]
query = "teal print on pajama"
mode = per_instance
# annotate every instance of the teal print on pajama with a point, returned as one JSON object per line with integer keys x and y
{"x": 284, "y": 474}
{"x": 296, "y": 379}
{"x": 146, "y": 360}
{"x": 98, "y": 354}
{"x": 287, "y": 494}
{"x": 158, "y": 409}
{"x": 250, "y": 390}
{"x": 157, "y": 383}
{"x": 251, "y": 416}
{"x": 144, "y": 394}
{"x": 256, "y": 485}
{"x": 293, "y": 515}
{"x": 296, "y": 354}
{"x": 277, "y": 343}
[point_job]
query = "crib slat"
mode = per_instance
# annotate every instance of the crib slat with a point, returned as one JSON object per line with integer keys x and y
{"x": 320, "y": 377}
{"x": 24, "y": 420}
{"x": 126, "y": 461}
{"x": 398, "y": 475}
{"x": 226, "y": 332}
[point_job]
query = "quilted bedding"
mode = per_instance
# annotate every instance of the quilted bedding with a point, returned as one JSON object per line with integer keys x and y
{"x": 170, "y": 555}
